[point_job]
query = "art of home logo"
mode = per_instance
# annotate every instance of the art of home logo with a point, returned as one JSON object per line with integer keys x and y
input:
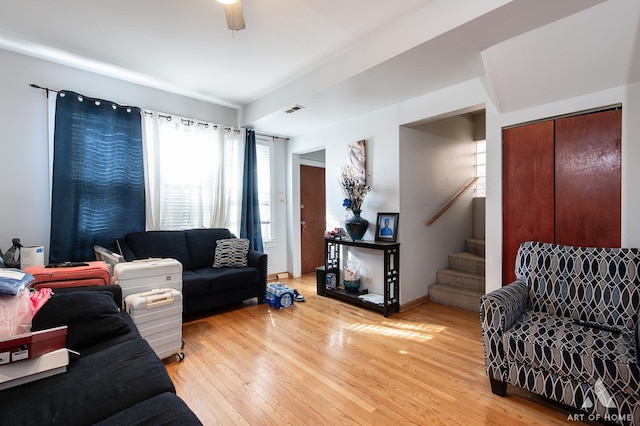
{"x": 605, "y": 399}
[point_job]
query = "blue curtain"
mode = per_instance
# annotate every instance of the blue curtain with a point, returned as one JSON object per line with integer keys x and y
{"x": 250, "y": 226}
{"x": 98, "y": 180}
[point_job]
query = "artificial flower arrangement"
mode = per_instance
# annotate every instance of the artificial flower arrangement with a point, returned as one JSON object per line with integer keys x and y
{"x": 354, "y": 189}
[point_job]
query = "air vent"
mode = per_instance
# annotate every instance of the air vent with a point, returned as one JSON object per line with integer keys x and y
{"x": 294, "y": 109}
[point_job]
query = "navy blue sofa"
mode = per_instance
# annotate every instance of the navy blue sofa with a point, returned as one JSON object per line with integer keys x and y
{"x": 203, "y": 286}
{"x": 117, "y": 379}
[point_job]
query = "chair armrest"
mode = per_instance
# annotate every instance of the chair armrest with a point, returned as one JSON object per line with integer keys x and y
{"x": 124, "y": 250}
{"x": 499, "y": 310}
{"x": 257, "y": 259}
{"x": 638, "y": 336}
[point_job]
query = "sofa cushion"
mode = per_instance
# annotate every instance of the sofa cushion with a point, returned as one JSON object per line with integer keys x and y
{"x": 94, "y": 388}
{"x": 229, "y": 278}
{"x": 202, "y": 245}
{"x": 231, "y": 253}
{"x": 563, "y": 347}
{"x": 596, "y": 284}
{"x": 162, "y": 244}
{"x": 164, "y": 409}
{"x": 93, "y": 317}
{"x": 194, "y": 284}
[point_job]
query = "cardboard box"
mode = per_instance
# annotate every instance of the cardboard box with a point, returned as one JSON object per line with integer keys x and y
{"x": 31, "y": 256}
{"x": 47, "y": 365}
{"x": 32, "y": 345}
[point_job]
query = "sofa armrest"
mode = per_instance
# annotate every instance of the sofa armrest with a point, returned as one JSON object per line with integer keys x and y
{"x": 114, "y": 289}
{"x": 124, "y": 250}
{"x": 499, "y": 310}
{"x": 257, "y": 259}
{"x": 90, "y": 313}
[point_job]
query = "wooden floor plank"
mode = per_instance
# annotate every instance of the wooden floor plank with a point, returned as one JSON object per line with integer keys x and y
{"x": 326, "y": 362}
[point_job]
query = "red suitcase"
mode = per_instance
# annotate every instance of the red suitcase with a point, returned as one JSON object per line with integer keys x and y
{"x": 95, "y": 273}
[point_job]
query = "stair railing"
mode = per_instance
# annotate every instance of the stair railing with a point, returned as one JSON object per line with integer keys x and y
{"x": 453, "y": 200}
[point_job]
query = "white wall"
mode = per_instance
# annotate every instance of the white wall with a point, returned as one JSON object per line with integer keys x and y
{"x": 23, "y": 153}
{"x": 436, "y": 161}
{"x": 381, "y": 129}
{"x": 24, "y": 187}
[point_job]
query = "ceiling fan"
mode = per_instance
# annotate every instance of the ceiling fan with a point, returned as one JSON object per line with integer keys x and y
{"x": 233, "y": 13}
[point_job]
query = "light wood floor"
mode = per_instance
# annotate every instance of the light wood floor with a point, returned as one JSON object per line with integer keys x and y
{"x": 325, "y": 362}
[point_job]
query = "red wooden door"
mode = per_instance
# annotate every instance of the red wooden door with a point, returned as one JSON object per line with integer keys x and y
{"x": 527, "y": 190}
{"x": 313, "y": 217}
{"x": 588, "y": 179}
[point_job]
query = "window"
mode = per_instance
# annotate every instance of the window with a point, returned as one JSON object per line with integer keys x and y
{"x": 192, "y": 173}
{"x": 264, "y": 149}
{"x": 481, "y": 168}
{"x": 233, "y": 164}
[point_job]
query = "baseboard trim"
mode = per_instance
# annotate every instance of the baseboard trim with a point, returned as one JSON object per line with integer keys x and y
{"x": 413, "y": 303}
{"x": 278, "y": 276}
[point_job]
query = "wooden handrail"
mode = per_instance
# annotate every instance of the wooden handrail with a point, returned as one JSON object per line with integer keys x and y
{"x": 453, "y": 200}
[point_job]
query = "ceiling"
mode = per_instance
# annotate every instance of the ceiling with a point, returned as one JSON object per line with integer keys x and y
{"x": 338, "y": 59}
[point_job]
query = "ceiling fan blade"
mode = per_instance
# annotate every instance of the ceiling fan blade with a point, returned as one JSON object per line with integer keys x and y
{"x": 235, "y": 17}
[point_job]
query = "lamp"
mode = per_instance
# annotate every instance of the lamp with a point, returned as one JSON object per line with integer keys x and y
{"x": 227, "y": 1}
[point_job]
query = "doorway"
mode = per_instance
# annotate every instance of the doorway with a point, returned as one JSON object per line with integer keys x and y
{"x": 312, "y": 212}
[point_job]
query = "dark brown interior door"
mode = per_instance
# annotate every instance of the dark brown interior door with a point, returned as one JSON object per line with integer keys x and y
{"x": 588, "y": 179}
{"x": 527, "y": 190}
{"x": 562, "y": 183}
{"x": 312, "y": 217}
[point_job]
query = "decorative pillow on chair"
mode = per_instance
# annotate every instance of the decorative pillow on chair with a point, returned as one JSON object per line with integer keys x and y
{"x": 231, "y": 253}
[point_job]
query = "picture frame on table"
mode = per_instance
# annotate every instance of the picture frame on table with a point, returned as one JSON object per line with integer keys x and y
{"x": 387, "y": 227}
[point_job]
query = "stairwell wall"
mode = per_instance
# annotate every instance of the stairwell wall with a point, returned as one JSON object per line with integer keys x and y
{"x": 437, "y": 160}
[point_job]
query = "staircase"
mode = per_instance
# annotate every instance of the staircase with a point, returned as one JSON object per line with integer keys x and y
{"x": 462, "y": 284}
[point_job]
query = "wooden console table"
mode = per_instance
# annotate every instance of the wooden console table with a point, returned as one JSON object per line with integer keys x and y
{"x": 391, "y": 278}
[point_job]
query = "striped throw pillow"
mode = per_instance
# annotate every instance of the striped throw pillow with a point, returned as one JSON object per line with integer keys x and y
{"x": 231, "y": 253}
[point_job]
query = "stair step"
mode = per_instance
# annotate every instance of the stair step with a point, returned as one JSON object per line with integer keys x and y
{"x": 467, "y": 262}
{"x": 455, "y": 296}
{"x": 466, "y": 280}
{"x": 475, "y": 246}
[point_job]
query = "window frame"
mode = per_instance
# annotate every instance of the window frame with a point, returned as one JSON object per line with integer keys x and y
{"x": 269, "y": 141}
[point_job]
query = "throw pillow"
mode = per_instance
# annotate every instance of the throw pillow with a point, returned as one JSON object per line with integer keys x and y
{"x": 231, "y": 253}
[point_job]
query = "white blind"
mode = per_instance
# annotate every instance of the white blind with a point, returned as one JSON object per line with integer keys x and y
{"x": 189, "y": 182}
{"x": 263, "y": 157}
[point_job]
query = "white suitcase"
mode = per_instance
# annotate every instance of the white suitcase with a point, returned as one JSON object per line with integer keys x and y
{"x": 158, "y": 316}
{"x": 144, "y": 275}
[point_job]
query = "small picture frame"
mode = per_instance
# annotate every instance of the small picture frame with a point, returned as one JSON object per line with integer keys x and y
{"x": 387, "y": 227}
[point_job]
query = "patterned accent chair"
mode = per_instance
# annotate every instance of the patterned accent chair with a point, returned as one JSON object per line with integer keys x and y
{"x": 567, "y": 329}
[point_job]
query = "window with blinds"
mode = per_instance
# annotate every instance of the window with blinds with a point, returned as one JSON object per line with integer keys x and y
{"x": 481, "y": 168}
{"x": 264, "y": 148}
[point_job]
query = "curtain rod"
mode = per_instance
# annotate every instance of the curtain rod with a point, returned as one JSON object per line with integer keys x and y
{"x": 35, "y": 86}
{"x": 191, "y": 122}
{"x": 46, "y": 89}
{"x": 271, "y": 136}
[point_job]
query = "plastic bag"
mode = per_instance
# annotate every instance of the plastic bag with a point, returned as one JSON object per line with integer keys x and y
{"x": 10, "y": 259}
{"x": 39, "y": 298}
{"x": 15, "y": 314}
{"x": 14, "y": 280}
